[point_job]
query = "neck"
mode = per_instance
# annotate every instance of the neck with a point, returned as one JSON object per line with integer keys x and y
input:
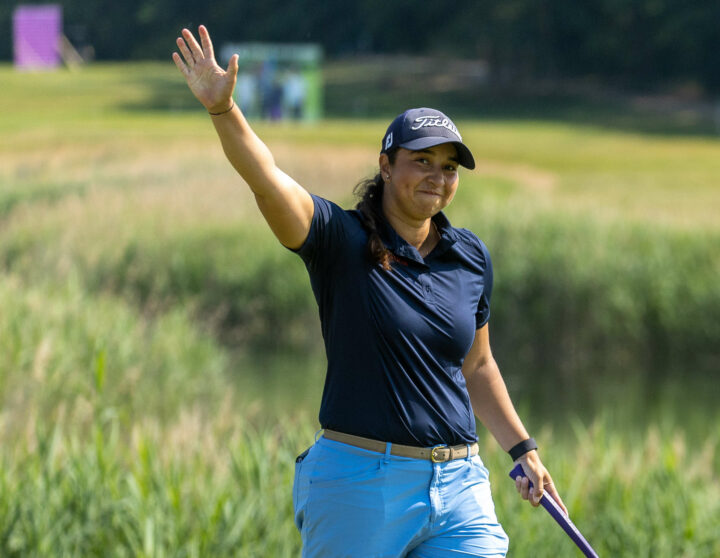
{"x": 421, "y": 234}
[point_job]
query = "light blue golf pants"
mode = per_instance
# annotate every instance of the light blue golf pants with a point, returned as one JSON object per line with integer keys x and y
{"x": 354, "y": 503}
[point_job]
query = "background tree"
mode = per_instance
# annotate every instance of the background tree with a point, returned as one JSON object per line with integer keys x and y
{"x": 635, "y": 44}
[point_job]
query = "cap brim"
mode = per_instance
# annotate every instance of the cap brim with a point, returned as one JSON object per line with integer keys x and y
{"x": 465, "y": 158}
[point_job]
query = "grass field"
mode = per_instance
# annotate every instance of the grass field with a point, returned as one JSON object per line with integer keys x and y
{"x": 160, "y": 360}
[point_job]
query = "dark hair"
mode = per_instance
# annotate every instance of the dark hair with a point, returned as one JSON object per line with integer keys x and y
{"x": 370, "y": 194}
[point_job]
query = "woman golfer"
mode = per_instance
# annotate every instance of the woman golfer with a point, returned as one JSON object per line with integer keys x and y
{"x": 404, "y": 304}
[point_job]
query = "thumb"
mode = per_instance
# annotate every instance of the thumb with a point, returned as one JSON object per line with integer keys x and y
{"x": 538, "y": 492}
{"x": 232, "y": 68}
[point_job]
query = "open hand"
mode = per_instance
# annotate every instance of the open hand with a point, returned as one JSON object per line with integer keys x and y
{"x": 212, "y": 85}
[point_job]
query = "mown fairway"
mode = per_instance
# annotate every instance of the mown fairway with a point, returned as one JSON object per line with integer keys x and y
{"x": 160, "y": 360}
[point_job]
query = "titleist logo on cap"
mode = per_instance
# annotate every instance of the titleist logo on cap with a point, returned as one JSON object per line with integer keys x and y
{"x": 428, "y": 121}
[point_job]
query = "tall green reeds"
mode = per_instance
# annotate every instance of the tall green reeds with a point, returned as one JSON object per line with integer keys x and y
{"x": 222, "y": 487}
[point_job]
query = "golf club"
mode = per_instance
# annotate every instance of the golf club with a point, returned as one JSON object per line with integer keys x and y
{"x": 563, "y": 520}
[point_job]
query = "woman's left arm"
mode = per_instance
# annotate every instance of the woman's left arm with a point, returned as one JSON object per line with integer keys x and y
{"x": 492, "y": 405}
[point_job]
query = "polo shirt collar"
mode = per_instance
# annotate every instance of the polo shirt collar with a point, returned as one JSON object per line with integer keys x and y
{"x": 400, "y": 247}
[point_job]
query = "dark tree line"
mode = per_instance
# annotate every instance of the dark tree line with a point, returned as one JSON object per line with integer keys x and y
{"x": 635, "y": 43}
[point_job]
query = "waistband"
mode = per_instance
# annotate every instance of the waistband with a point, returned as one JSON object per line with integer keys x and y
{"x": 437, "y": 454}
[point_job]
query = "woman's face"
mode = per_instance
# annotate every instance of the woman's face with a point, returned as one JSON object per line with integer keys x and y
{"x": 421, "y": 182}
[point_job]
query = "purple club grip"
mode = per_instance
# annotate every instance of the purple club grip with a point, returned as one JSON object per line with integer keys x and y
{"x": 558, "y": 515}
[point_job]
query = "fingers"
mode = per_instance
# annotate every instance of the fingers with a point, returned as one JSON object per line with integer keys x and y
{"x": 527, "y": 492}
{"x": 193, "y": 45}
{"x": 187, "y": 55}
{"x": 522, "y": 484}
{"x": 206, "y": 42}
{"x": 192, "y": 52}
{"x": 180, "y": 64}
{"x": 539, "y": 477}
{"x": 550, "y": 488}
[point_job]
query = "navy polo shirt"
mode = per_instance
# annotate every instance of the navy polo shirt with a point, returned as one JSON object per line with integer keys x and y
{"x": 396, "y": 340}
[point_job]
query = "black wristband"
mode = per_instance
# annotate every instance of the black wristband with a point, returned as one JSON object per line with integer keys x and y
{"x": 522, "y": 448}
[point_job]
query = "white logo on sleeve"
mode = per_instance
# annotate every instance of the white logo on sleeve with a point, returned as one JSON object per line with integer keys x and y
{"x": 388, "y": 141}
{"x": 428, "y": 121}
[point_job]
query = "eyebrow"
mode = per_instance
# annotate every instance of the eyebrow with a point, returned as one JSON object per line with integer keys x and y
{"x": 454, "y": 159}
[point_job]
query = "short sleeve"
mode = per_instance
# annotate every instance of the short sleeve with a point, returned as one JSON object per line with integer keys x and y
{"x": 326, "y": 235}
{"x": 483, "y": 310}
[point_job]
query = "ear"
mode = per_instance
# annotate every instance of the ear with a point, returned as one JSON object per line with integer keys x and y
{"x": 385, "y": 166}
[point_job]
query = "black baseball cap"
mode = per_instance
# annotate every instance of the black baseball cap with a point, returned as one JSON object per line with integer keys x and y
{"x": 420, "y": 128}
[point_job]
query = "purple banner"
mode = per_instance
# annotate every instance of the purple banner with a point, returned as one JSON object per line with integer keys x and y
{"x": 36, "y": 36}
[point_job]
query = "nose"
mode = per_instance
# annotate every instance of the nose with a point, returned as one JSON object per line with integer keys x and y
{"x": 436, "y": 176}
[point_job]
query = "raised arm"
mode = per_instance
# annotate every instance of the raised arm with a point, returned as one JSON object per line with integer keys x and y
{"x": 286, "y": 206}
{"x": 492, "y": 405}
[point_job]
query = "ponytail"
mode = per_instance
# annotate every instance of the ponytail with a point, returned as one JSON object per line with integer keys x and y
{"x": 370, "y": 194}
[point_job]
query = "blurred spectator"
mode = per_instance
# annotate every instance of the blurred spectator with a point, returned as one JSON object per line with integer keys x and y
{"x": 246, "y": 93}
{"x": 294, "y": 92}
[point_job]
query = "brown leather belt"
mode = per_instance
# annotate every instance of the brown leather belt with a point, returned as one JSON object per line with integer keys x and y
{"x": 437, "y": 454}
